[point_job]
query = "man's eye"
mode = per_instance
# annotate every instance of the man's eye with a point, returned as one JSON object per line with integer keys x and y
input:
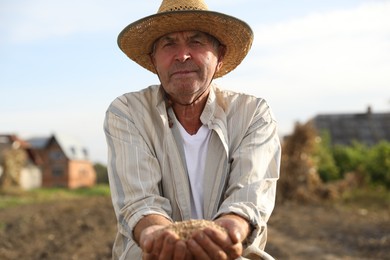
{"x": 196, "y": 43}
{"x": 167, "y": 44}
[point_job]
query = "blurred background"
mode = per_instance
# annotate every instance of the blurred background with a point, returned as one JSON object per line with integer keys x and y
{"x": 323, "y": 66}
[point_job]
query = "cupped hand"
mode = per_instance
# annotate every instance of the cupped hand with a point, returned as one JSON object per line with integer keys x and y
{"x": 212, "y": 243}
{"x": 159, "y": 243}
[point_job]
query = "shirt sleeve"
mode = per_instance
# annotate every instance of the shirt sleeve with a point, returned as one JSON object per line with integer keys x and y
{"x": 133, "y": 169}
{"x": 254, "y": 171}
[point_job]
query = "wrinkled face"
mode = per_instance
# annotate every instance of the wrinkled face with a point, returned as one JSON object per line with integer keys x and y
{"x": 186, "y": 63}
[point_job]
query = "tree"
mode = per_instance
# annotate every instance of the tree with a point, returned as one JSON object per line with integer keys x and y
{"x": 101, "y": 173}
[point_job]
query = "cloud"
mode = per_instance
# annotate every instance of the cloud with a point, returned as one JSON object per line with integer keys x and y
{"x": 341, "y": 50}
{"x": 336, "y": 49}
{"x": 38, "y": 20}
{"x": 332, "y": 61}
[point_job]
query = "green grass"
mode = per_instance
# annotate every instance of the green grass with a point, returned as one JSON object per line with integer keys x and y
{"x": 15, "y": 197}
{"x": 371, "y": 197}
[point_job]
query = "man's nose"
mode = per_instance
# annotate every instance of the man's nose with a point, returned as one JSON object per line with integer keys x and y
{"x": 183, "y": 54}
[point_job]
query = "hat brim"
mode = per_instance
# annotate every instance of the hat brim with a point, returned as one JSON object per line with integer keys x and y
{"x": 136, "y": 40}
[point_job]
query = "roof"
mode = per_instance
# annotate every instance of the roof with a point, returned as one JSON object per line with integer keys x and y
{"x": 38, "y": 142}
{"x": 72, "y": 148}
{"x": 368, "y": 128}
{"x": 13, "y": 140}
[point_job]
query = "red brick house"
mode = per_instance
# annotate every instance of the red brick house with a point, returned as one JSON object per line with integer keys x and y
{"x": 64, "y": 162}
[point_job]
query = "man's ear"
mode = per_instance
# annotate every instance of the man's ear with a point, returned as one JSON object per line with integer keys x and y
{"x": 221, "y": 55}
{"x": 219, "y": 65}
{"x": 151, "y": 57}
{"x": 221, "y": 52}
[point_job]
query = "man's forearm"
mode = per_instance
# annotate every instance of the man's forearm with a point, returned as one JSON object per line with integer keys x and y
{"x": 147, "y": 221}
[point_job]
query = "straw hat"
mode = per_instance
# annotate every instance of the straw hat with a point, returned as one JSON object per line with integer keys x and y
{"x": 137, "y": 39}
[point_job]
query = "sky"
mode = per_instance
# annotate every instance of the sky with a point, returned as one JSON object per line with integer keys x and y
{"x": 60, "y": 66}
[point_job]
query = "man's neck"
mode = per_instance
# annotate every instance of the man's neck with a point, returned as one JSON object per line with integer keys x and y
{"x": 189, "y": 115}
{"x": 189, "y": 118}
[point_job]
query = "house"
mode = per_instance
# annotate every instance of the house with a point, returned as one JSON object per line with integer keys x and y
{"x": 64, "y": 162}
{"x": 368, "y": 128}
{"x": 17, "y": 166}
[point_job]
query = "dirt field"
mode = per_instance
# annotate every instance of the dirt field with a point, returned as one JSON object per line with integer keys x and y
{"x": 85, "y": 229}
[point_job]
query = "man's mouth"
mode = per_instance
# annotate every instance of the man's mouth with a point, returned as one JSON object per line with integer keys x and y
{"x": 182, "y": 73}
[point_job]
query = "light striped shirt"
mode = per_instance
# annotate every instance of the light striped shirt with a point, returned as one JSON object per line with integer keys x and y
{"x": 147, "y": 170}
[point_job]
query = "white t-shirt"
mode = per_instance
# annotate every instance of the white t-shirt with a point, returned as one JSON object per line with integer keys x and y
{"x": 195, "y": 148}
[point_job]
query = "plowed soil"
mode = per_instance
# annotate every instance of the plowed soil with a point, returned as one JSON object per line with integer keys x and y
{"x": 85, "y": 229}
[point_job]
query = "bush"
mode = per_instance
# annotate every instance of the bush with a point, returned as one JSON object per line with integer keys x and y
{"x": 323, "y": 156}
{"x": 350, "y": 158}
{"x": 378, "y": 164}
{"x": 373, "y": 163}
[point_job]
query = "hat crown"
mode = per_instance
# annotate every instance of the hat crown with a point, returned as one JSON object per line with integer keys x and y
{"x": 182, "y": 5}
